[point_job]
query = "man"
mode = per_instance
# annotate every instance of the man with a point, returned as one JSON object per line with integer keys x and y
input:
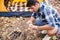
{"x": 44, "y": 17}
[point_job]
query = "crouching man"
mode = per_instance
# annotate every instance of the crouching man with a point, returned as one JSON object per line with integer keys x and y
{"x": 44, "y": 17}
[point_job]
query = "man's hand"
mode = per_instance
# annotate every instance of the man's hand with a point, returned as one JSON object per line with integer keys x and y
{"x": 52, "y": 32}
{"x": 33, "y": 26}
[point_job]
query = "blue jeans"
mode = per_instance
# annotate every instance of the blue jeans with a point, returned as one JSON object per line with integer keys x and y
{"x": 58, "y": 30}
{"x": 39, "y": 22}
{"x": 58, "y": 26}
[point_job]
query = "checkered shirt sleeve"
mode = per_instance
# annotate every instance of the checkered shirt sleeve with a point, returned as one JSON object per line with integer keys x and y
{"x": 51, "y": 16}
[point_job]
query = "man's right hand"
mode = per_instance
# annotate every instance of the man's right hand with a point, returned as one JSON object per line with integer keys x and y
{"x": 33, "y": 26}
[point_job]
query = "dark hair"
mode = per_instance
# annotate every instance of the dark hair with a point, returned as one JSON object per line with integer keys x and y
{"x": 31, "y": 2}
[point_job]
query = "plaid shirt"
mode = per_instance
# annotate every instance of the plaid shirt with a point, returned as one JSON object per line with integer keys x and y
{"x": 51, "y": 15}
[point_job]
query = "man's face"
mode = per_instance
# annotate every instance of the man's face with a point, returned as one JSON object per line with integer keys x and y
{"x": 35, "y": 7}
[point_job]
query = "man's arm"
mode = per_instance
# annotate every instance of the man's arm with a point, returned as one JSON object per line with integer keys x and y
{"x": 51, "y": 17}
{"x": 45, "y": 27}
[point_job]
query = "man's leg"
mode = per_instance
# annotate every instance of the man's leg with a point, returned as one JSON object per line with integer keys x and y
{"x": 58, "y": 34}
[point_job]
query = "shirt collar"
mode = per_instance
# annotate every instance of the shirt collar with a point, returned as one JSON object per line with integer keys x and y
{"x": 41, "y": 9}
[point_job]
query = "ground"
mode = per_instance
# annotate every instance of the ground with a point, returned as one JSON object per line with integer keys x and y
{"x": 16, "y": 28}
